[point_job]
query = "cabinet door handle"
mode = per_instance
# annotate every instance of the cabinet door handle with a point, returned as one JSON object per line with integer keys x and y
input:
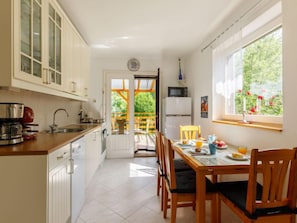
{"x": 49, "y": 79}
{"x": 86, "y": 92}
{"x": 70, "y": 167}
{"x": 73, "y": 86}
{"x": 45, "y": 75}
{"x": 62, "y": 156}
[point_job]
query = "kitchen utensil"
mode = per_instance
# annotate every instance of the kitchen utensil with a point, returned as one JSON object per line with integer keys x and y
{"x": 11, "y": 111}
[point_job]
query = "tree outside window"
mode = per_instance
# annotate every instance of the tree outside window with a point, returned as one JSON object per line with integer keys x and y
{"x": 259, "y": 65}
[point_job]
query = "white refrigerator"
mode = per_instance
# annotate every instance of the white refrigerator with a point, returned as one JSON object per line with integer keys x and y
{"x": 176, "y": 111}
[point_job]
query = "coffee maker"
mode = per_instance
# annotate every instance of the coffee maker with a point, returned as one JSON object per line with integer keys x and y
{"x": 10, "y": 125}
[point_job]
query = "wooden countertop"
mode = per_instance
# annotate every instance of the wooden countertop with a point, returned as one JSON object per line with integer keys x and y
{"x": 45, "y": 142}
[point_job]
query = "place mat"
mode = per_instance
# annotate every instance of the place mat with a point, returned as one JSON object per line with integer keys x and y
{"x": 219, "y": 159}
{"x": 201, "y": 153}
{"x": 184, "y": 146}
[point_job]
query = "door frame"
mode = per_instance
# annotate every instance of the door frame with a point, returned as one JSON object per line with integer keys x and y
{"x": 122, "y": 146}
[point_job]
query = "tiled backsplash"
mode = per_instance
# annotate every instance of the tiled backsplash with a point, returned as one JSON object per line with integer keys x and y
{"x": 44, "y": 107}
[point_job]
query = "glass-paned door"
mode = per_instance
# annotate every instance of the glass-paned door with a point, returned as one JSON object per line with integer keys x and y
{"x": 31, "y": 38}
{"x": 120, "y": 115}
{"x": 55, "y": 48}
{"x": 145, "y": 118}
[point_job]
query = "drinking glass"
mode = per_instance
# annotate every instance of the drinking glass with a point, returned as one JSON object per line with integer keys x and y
{"x": 242, "y": 149}
{"x": 212, "y": 148}
{"x": 199, "y": 144}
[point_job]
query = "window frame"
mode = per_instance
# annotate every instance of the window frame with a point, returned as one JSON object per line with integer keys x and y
{"x": 244, "y": 41}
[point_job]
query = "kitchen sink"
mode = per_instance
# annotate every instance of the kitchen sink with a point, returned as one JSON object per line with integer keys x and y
{"x": 68, "y": 130}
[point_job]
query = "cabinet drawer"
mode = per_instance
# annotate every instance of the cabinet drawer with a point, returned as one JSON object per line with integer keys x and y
{"x": 59, "y": 156}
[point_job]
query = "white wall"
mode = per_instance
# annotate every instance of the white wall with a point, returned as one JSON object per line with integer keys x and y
{"x": 99, "y": 65}
{"x": 169, "y": 73}
{"x": 44, "y": 106}
{"x": 199, "y": 70}
{"x": 168, "y": 65}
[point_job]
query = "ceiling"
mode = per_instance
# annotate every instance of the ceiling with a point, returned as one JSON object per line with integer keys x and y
{"x": 146, "y": 28}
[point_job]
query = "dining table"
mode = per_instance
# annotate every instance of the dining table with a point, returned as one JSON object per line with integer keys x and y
{"x": 207, "y": 165}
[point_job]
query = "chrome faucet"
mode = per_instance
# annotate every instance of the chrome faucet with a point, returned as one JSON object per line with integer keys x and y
{"x": 54, "y": 126}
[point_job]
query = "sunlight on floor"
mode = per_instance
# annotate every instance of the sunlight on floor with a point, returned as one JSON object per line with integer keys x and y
{"x": 137, "y": 170}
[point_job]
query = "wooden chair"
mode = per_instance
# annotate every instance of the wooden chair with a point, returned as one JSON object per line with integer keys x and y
{"x": 160, "y": 172}
{"x": 189, "y": 132}
{"x": 179, "y": 165}
{"x": 180, "y": 186}
{"x": 274, "y": 200}
{"x": 149, "y": 137}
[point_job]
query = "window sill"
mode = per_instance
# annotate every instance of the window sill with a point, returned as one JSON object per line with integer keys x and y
{"x": 260, "y": 125}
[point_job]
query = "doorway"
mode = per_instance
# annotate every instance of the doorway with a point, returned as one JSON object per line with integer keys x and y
{"x": 146, "y": 112}
{"x": 132, "y": 113}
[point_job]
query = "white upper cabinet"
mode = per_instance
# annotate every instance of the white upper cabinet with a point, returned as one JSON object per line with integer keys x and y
{"x": 29, "y": 32}
{"x": 36, "y": 49}
{"x": 38, "y": 46}
{"x": 76, "y": 61}
{"x": 54, "y": 61}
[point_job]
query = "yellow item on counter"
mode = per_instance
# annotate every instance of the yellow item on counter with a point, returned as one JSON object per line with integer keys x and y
{"x": 237, "y": 155}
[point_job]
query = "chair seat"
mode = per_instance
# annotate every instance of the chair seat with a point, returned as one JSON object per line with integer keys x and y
{"x": 236, "y": 192}
{"x": 186, "y": 183}
{"x": 181, "y": 165}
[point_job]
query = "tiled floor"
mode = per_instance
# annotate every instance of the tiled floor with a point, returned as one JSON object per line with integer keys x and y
{"x": 124, "y": 191}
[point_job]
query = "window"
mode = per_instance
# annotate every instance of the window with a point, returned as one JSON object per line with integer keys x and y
{"x": 248, "y": 71}
{"x": 258, "y": 69}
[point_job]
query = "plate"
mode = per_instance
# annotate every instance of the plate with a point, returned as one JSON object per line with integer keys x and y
{"x": 181, "y": 144}
{"x": 239, "y": 159}
{"x": 222, "y": 147}
{"x": 194, "y": 153}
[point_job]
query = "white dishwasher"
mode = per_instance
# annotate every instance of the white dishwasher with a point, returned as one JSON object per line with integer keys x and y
{"x": 77, "y": 178}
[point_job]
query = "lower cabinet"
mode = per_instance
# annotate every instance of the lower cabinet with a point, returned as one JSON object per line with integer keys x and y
{"x": 59, "y": 186}
{"x": 23, "y": 189}
{"x": 92, "y": 153}
{"x": 36, "y": 188}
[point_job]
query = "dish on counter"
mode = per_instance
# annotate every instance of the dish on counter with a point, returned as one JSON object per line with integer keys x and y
{"x": 237, "y": 156}
{"x": 222, "y": 147}
{"x": 184, "y": 144}
{"x": 201, "y": 152}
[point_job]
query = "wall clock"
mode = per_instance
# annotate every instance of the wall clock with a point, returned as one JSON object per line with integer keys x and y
{"x": 133, "y": 64}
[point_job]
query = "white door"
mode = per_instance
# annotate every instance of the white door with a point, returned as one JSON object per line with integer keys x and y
{"x": 120, "y": 114}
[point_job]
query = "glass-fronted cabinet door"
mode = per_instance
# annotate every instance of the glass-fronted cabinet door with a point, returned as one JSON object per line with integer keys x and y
{"x": 54, "y": 46}
{"x": 30, "y": 57}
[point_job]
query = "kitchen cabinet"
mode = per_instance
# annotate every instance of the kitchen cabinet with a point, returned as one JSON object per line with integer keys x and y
{"x": 92, "y": 153}
{"x": 76, "y": 60}
{"x": 29, "y": 36}
{"x": 59, "y": 186}
{"x": 54, "y": 36}
{"x": 36, "y": 188}
{"x": 32, "y": 45}
{"x": 38, "y": 36}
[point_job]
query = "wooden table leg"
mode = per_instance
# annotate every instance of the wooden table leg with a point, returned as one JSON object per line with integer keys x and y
{"x": 215, "y": 205}
{"x": 200, "y": 197}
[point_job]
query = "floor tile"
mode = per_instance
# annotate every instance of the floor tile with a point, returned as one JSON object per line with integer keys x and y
{"x": 124, "y": 191}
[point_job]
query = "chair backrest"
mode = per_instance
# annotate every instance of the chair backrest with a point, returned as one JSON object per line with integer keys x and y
{"x": 158, "y": 147}
{"x": 168, "y": 157}
{"x": 273, "y": 166}
{"x": 189, "y": 132}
